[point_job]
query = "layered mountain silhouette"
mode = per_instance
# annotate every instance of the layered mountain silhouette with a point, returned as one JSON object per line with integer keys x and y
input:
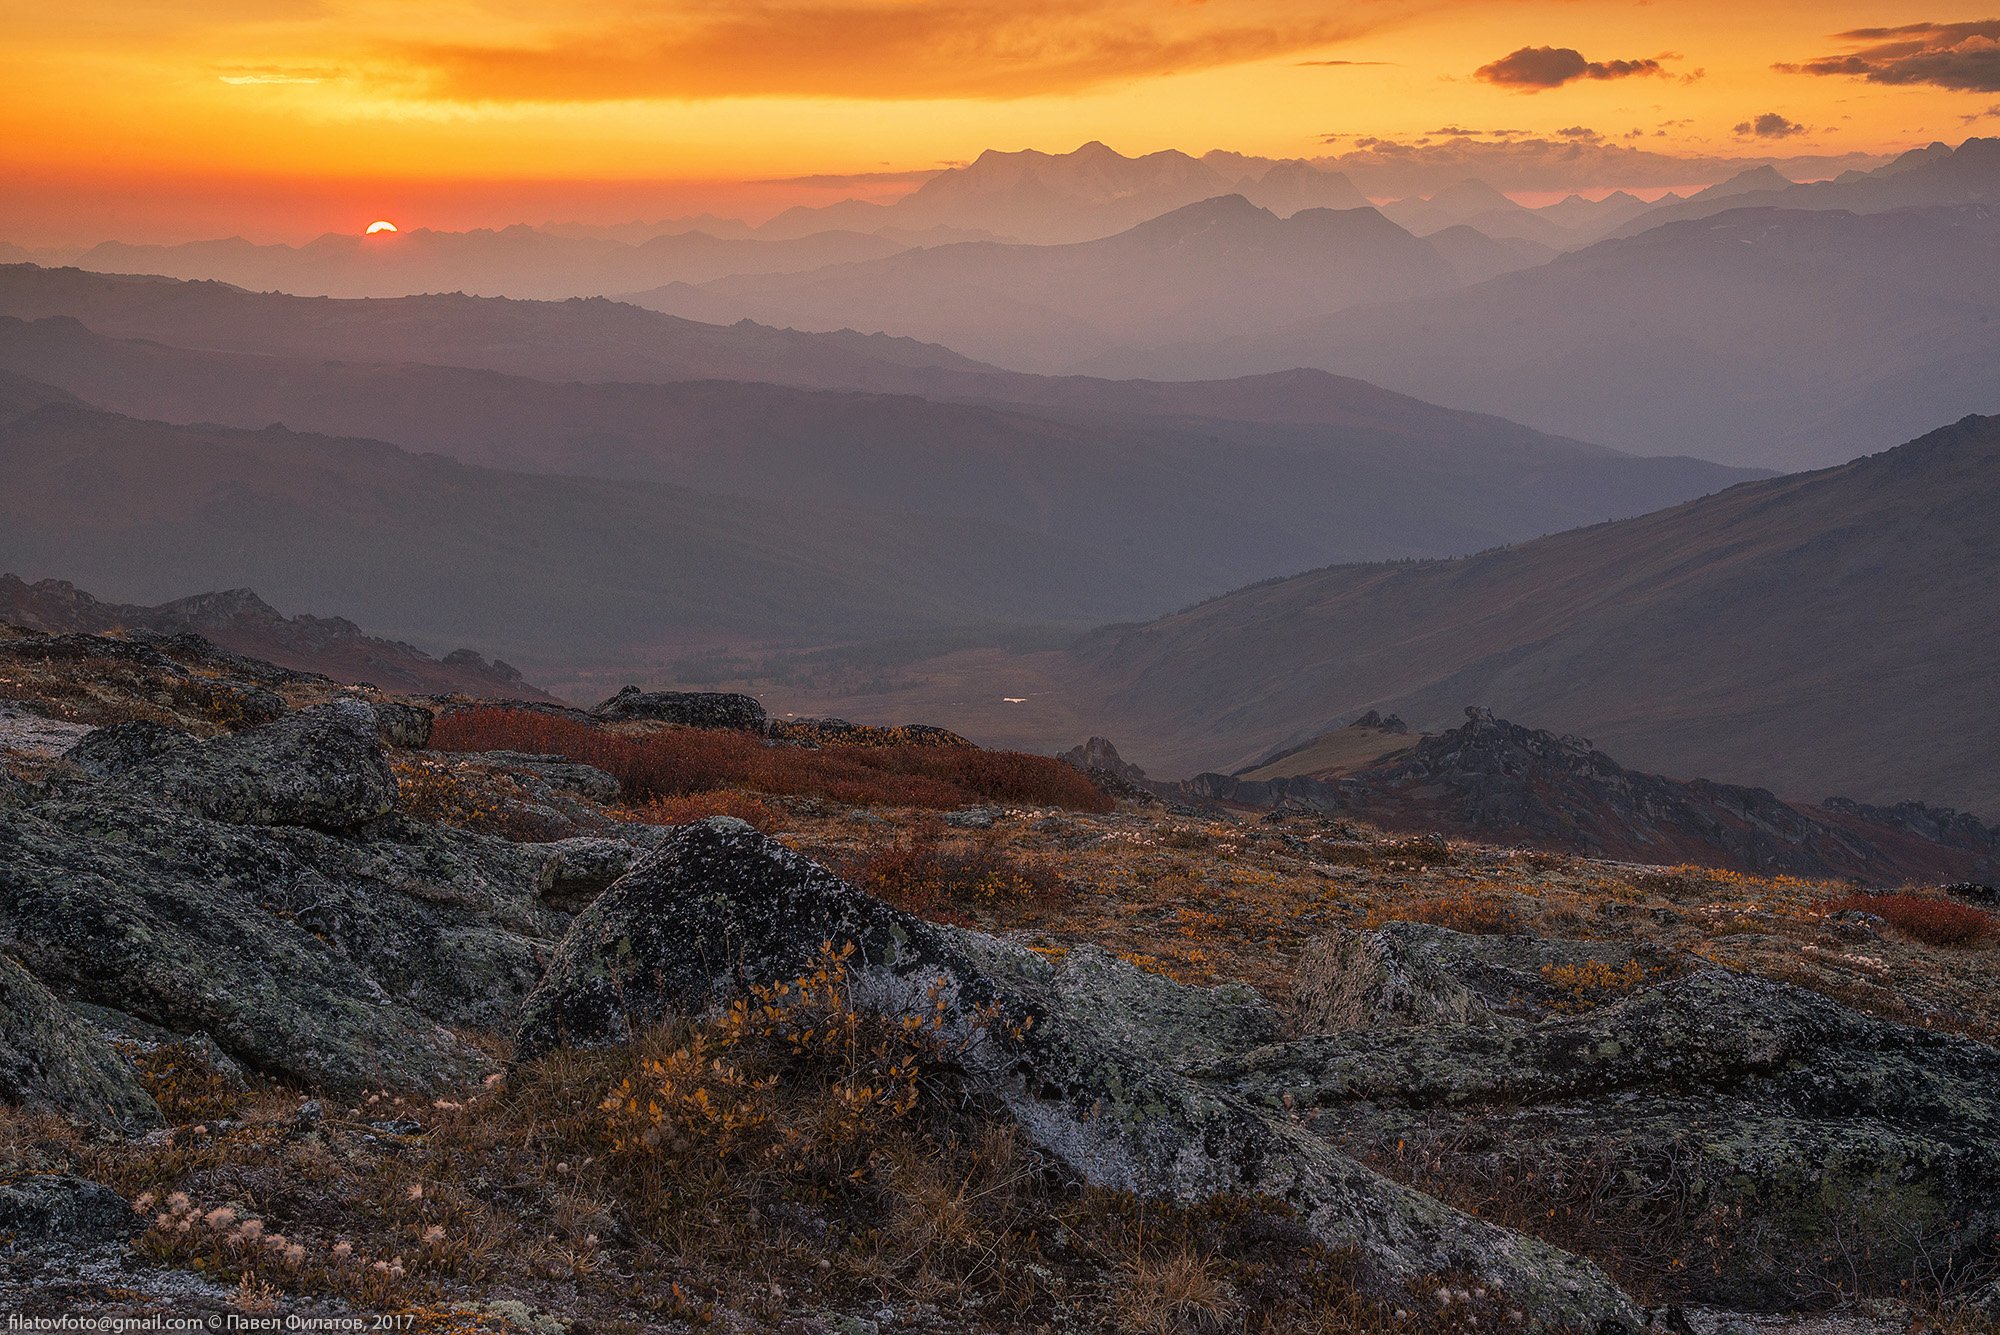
{"x": 240, "y": 621}
{"x": 1143, "y": 498}
{"x": 1829, "y": 632}
{"x": 1223, "y": 266}
{"x": 1780, "y": 338}
{"x": 1051, "y": 198}
{"x": 517, "y": 261}
{"x": 1936, "y": 174}
{"x": 583, "y": 339}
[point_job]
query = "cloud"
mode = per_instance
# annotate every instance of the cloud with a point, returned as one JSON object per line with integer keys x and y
{"x": 1964, "y": 56}
{"x": 1771, "y": 125}
{"x": 1534, "y": 68}
{"x": 875, "y": 49}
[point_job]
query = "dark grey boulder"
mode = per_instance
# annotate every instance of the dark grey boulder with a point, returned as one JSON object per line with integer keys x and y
{"x": 321, "y": 767}
{"x": 1789, "y": 1123}
{"x": 407, "y": 726}
{"x": 61, "y": 1208}
{"x": 52, "y": 1061}
{"x": 689, "y": 709}
{"x": 583, "y": 868}
{"x": 109, "y": 752}
{"x": 1091, "y": 1058}
{"x": 328, "y": 960}
{"x": 546, "y": 776}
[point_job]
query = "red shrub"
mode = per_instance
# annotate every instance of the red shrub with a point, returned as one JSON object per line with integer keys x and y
{"x": 700, "y": 806}
{"x": 1936, "y": 922}
{"x": 674, "y": 762}
{"x": 926, "y": 874}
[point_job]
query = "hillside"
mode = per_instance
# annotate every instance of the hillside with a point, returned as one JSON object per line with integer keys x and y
{"x": 1175, "y": 504}
{"x": 1829, "y": 632}
{"x": 1214, "y": 269}
{"x": 517, "y": 261}
{"x": 592, "y": 339}
{"x": 1773, "y": 338}
{"x": 1495, "y": 781}
{"x": 243, "y": 623}
{"x": 428, "y": 550}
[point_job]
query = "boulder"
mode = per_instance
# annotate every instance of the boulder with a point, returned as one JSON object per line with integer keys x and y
{"x": 320, "y": 767}
{"x": 1776, "y": 1125}
{"x": 328, "y": 960}
{"x": 1091, "y": 1056}
{"x": 52, "y": 1061}
{"x": 61, "y": 1208}
{"x": 688, "y": 709}
{"x": 407, "y": 726}
{"x": 581, "y": 869}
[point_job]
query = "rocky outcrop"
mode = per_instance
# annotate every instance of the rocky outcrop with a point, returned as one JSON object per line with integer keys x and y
{"x": 53, "y": 1062}
{"x": 257, "y": 890}
{"x": 244, "y": 624}
{"x": 60, "y": 1208}
{"x": 1498, "y": 782}
{"x": 1091, "y": 1056}
{"x": 687, "y": 709}
{"x": 321, "y": 767}
{"x": 1775, "y": 1125}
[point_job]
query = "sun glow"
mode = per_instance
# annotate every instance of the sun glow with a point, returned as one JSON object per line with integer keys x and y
{"x": 375, "y": 227}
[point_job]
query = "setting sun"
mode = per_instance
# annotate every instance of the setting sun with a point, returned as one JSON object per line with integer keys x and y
{"x": 375, "y": 227}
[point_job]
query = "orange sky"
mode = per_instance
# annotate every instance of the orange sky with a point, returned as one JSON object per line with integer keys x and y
{"x": 280, "y": 119}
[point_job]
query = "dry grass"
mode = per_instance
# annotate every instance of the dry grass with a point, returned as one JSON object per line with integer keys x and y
{"x": 790, "y": 1155}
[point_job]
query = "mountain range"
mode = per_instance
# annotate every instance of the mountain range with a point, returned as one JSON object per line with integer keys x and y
{"x": 1826, "y": 632}
{"x": 1090, "y": 500}
{"x": 1778, "y": 338}
{"x": 1213, "y": 269}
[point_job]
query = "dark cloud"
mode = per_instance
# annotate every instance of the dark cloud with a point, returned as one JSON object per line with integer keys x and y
{"x": 1945, "y": 55}
{"x": 1771, "y": 125}
{"x": 1460, "y": 132}
{"x": 1534, "y": 68}
{"x": 1580, "y": 133}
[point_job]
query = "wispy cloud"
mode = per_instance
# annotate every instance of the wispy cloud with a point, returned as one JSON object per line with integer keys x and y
{"x": 1962, "y": 56}
{"x": 878, "y": 49}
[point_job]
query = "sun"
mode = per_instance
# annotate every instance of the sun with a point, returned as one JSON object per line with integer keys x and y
{"x": 375, "y": 227}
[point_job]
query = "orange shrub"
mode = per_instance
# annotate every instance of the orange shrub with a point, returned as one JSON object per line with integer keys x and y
{"x": 1935, "y": 922}
{"x": 675, "y": 762}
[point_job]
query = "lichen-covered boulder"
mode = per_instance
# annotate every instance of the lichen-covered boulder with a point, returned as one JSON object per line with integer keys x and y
{"x": 56, "y": 1207}
{"x": 1090, "y": 1056}
{"x": 583, "y": 868}
{"x": 321, "y": 767}
{"x": 1778, "y": 1125}
{"x": 398, "y": 724}
{"x": 50, "y": 1060}
{"x": 689, "y": 709}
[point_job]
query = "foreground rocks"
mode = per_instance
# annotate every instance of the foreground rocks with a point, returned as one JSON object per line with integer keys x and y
{"x": 258, "y": 895}
{"x": 258, "y": 891}
{"x": 1090, "y": 1057}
